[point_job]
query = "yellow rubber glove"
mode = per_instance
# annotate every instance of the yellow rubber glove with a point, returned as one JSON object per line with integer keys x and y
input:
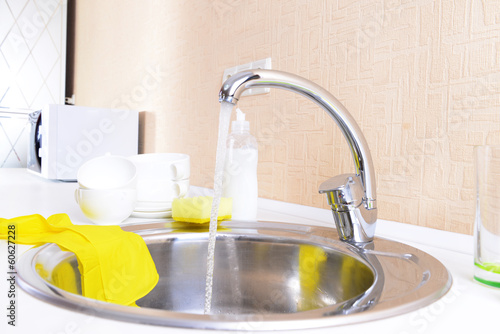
{"x": 115, "y": 265}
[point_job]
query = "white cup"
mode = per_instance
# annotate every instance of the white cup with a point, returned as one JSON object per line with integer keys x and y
{"x": 161, "y": 190}
{"x": 161, "y": 177}
{"x": 171, "y": 166}
{"x": 106, "y": 206}
{"x": 107, "y": 172}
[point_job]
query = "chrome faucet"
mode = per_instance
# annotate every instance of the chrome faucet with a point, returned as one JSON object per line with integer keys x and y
{"x": 351, "y": 196}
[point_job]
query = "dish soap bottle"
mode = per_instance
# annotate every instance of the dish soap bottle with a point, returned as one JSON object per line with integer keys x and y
{"x": 240, "y": 170}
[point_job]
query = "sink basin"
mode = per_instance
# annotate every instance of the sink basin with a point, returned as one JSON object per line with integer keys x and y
{"x": 267, "y": 276}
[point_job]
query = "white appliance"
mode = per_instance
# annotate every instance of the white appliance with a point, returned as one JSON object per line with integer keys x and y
{"x": 63, "y": 137}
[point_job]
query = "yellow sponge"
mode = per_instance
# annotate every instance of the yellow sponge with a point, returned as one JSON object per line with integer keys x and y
{"x": 197, "y": 209}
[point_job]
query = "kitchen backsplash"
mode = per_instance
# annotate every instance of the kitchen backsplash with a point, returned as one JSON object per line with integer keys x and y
{"x": 420, "y": 77}
{"x": 14, "y": 137}
{"x": 32, "y": 68}
{"x": 33, "y": 51}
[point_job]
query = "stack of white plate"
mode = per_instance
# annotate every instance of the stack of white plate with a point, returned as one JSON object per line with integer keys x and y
{"x": 161, "y": 177}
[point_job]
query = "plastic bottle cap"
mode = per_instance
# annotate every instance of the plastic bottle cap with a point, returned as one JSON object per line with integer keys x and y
{"x": 240, "y": 124}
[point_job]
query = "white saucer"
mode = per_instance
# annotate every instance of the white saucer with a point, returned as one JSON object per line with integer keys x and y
{"x": 153, "y": 206}
{"x": 152, "y": 214}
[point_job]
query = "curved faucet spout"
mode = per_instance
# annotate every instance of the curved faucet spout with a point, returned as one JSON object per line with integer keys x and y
{"x": 356, "y": 217}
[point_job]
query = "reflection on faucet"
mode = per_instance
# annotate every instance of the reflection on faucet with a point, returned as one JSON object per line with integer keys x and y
{"x": 351, "y": 196}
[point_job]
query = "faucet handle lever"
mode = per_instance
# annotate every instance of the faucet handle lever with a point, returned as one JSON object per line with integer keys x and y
{"x": 344, "y": 192}
{"x": 355, "y": 223}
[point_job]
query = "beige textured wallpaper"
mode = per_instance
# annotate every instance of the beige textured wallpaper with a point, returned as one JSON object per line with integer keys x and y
{"x": 422, "y": 78}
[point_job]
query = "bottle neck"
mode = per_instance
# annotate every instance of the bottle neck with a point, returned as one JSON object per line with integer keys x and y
{"x": 240, "y": 131}
{"x": 240, "y": 127}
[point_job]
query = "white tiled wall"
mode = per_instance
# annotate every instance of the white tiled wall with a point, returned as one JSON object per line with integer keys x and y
{"x": 14, "y": 137}
{"x": 32, "y": 65}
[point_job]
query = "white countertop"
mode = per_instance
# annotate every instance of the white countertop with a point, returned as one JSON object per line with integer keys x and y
{"x": 468, "y": 307}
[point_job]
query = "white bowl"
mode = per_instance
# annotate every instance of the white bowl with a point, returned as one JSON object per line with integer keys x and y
{"x": 107, "y": 172}
{"x": 106, "y": 206}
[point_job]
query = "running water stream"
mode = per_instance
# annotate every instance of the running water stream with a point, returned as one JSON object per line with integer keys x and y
{"x": 224, "y": 117}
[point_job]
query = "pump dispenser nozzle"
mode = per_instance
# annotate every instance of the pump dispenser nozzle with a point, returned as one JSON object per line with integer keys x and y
{"x": 240, "y": 125}
{"x": 240, "y": 115}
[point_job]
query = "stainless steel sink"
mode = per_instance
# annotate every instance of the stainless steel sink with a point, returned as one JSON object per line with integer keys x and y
{"x": 267, "y": 276}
